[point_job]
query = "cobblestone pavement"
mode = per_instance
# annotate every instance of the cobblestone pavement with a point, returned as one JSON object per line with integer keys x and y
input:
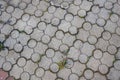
{"x": 59, "y": 39}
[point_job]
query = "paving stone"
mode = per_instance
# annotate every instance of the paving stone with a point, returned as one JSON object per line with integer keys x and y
{"x": 117, "y": 64}
{"x": 18, "y": 47}
{"x": 108, "y": 5}
{"x": 55, "y": 21}
{"x": 73, "y": 77}
{"x": 51, "y": 9}
{"x": 103, "y": 69}
{"x": 73, "y": 30}
{"x": 10, "y": 9}
{"x": 77, "y": 21}
{"x": 7, "y": 66}
{"x": 14, "y": 2}
{"x": 23, "y": 38}
{"x": 40, "y": 48}
{"x": 98, "y": 76}
{"x": 2, "y": 60}
{"x": 87, "y": 26}
{"x": 83, "y": 58}
{"x": 55, "y": 43}
{"x": 45, "y": 39}
{"x": 104, "y": 13}
{"x": 28, "y": 30}
{"x": 64, "y": 48}
{"x": 69, "y": 63}
{"x": 26, "y": 1}
{"x": 21, "y": 62}
{"x": 6, "y": 29}
{"x": 98, "y": 54}
{"x": 82, "y": 35}
{"x": 33, "y": 21}
{"x": 47, "y": 17}
{"x": 25, "y": 17}
{"x": 42, "y": 26}
{"x": 95, "y": 9}
{"x": 78, "y": 68}
{"x": 106, "y": 35}
{"x": 82, "y": 78}
{"x": 115, "y": 39}
{"x": 45, "y": 62}
{"x": 59, "y": 13}
{"x": 59, "y": 34}
{"x": 33, "y": 77}
{"x": 92, "y": 39}
{"x": 78, "y": 44}
{"x": 38, "y": 13}
{"x": 10, "y": 78}
{"x": 16, "y": 71}
{"x": 64, "y": 26}
{"x": 27, "y": 52}
{"x": 5, "y": 16}
{"x": 73, "y": 9}
{"x": 54, "y": 67}
{"x": 49, "y": 76}
{"x": 112, "y": 49}
{"x": 2, "y": 37}
{"x": 37, "y": 34}
{"x": 88, "y": 74}
{"x": 32, "y": 43}
{"x": 50, "y": 53}
{"x": 65, "y": 5}
{"x": 22, "y": 5}
{"x": 100, "y": 3}
{"x": 77, "y": 2}
{"x": 58, "y": 57}
{"x": 30, "y": 67}
{"x": 96, "y": 31}
{"x": 35, "y": 57}
{"x": 102, "y": 44}
{"x": 93, "y": 64}
{"x": 68, "y": 39}
{"x": 116, "y": 8}
{"x": 91, "y": 17}
{"x": 50, "y": 30}
{"x": 3, "y": 75}
{"x": 10, "y": 42}
{"x": 20, "y": 25}
{"x": 118, "y": 30}
{"x": 113, "y": 74}
{"x": 17, "y": 13}
{"x": 12, "y": 20}
{"x": 87, "y": 49}
{"x": 35, "y": 2}
{"x": 12, "y": 57}
{"x": 107, "y": 59}
{"x": 43, "y": 5}
{"x": 101, "y": 22}
{"x": 4, "y": 52}
{"x": 15, "y": 34}
{"x": 84, "y": 3}
{"x": 29, "y": 7}
{"x": 110, "y": 26}
{"x": 62, "y": 73}
{"x": 40, "y": 72}
{"x": 25, "y": 76}
{"x": 68, "y": 17}
{"x": 73, "y": 53}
